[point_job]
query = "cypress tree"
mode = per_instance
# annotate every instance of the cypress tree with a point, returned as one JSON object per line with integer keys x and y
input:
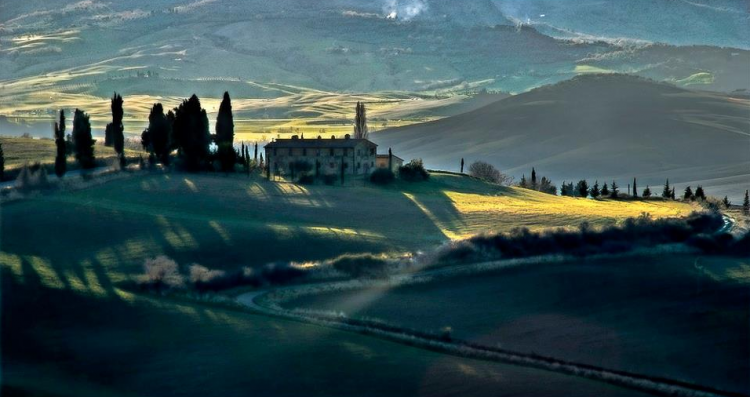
{"x": 156, "y": 137}
{"x": 360, "y": 122}
{"x": 582, "y": 188}
{"x": 595, "y": 192}
{"x": 699, "y": 193}
{"x": 726, "y": 202}
{"x": 635, "y": 188}
{"x": 118, "y": 130}
{"x": 605, "y": 189}
{"x": 225, "y": 134}
{"x": 672, "y": 195}
{"x": 82, "y": 141}
{"x": 688, "y": 195}
{"x": 667, "y": 192}
{"x": 462, "y": 165}
{"x": 522, "y": 184}
{"x": 533, "y": 178}
{"x": 190, "y": 134}
{"x": 255, "y": 157}
{"x": 390, "y": 160}
{"x": 61, "y": 155}
{"x": 613, "y": 190}
{"x": 746, "y": 204}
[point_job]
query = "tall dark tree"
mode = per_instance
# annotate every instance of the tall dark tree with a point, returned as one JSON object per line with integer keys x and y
{"x": 190, "y": 134}
{"x": 635, "y": 188}
{"x": 225, "y": 134}
{"x": 699, "y": 193}
{"x": 390, "y": 160}
{"x": 726, "y": 202}
{"x": 360, "y": 122}
{"x": 564, "y": 190}
{"x": 605, "y": 190}
{"x": 522, "y": 183}
{"x": 646, "y": 192}
{"x": 462, "y": 164}
{"x": 595, "y": 192}
{"x": 672, "y": 195}
{"x": 614, "y": 192}
{"x": 667, "y": 192}
{"x": 534, "y": 184}
{"x": 157, "y": 136}
{"x": 582, "y": 189}
{"x": 82, "y": 140}
{"x": 255, "y": 156}
{"x": 688, "y": 195}
{"x": 61, "y": 155}
{"x": 746, "y": 204}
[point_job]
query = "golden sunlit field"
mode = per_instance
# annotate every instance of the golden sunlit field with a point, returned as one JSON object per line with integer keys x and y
{"x": 20, "y": 151}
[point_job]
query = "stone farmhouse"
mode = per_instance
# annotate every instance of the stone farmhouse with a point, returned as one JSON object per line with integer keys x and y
{"x": 285, "y": 157}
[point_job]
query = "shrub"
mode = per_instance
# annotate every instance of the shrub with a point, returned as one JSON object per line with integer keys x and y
{"x": 161, "y": 273}
{"x": 488, "y": 172}
{"x": 32, "y": 178}
{"x": 413, "y": 171}
{"x": 382, "y": 176}
{"x": 361, "y": 265}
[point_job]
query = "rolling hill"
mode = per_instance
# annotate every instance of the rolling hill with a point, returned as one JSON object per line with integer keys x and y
{"x": 601, "y": 127}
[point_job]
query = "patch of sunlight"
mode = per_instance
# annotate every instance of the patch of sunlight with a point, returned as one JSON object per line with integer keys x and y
{"x": 191, "y": 185}
{"x": 14, "y": 263}
{"x": 221, "y": 231}
{"x": 178, "y": 237}
{"x": 256, "y": 191}
{"x": 581, "y": 69}
{"x": 439, "y": 224}
{"x": 345, "y": 232}
{"x": 292, "y": 189}
{"x": 93, "y": 281}
{"x": 124, "y": 295}
{"x": 739, "y": 273}
{"x": 75, "y": 282}
{"x": 282, "y": 231}
{"x": 46, "y": 273}
{"x": 700, "y": 78}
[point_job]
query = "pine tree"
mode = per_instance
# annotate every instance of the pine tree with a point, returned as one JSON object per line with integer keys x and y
{"x": 605, "y": 190}
{"x": 667, "y": 192}
{"x": 582, "y": 188}
{"x": 635, "y": 188}
{"x": 688, "y": 195}
{"x": 673, "y": 195}
{"x": 360, "y": 122}
{"x": 522, "y": 184}
{"x": 614, "y": 193}
{"x": 82, "y": 140}
{"x": 595, "y": 192}
{"x": 225, "y": 134}
{"x": 726, "y": 202}
{"x": 699, "y": 193}
{"x": 746, "y": 204}
{"x": 190, "y": 134}
{"x": 533, "y": 179}
{"x": 564, "y": 189}
{"x": 61, "y": 155}
{"x": 646, "y": 192}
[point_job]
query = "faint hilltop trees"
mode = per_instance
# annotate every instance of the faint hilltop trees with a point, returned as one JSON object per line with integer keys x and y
{"x": 667, "y": 192}
{"x": 595, "y": 192}
{"x": 614, "y": 190}
{"x": 746, "y": 204}
{"x": 646, "y": 192}
{"x": 699, "y": 193}
{"x": 582, "y": 189}
{"x": 543, "y": 185}
{"x": 191, "y": 135}
{"x": 156, "y": 138}
{"x": 83, "y": 143}
{"x": 605, "y": 190}
{"x": 488, "y": 172}
{"x": 61, "y": 155}
{"x": 225, "y": 136}
{"x": 114, "y": 134}
{"x": 688, "y": 195}
{"x": 360, "y": 122}
{"x": 726, "y": 202}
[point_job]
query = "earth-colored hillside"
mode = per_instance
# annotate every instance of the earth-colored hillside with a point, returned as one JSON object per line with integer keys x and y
{"x": 601, "y": 127}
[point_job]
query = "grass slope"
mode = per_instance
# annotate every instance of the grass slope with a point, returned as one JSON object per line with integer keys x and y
{"x": 680, "y": 317}
{"x": 20, "y": 151}
{"x": 596, "y": 127}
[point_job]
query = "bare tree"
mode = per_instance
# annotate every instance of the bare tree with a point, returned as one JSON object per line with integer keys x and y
{"x": 488, "y": 172}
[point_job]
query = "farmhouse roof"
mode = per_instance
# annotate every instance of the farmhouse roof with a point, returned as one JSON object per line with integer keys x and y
{"x": 385, "y": 156}
{"x": 318, "y": 143}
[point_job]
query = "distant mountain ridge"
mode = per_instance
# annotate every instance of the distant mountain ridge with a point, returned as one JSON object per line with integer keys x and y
{"x": 597, "y": 127}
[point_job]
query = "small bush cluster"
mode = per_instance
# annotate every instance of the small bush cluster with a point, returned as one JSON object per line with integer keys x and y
{"x": 413, "y": 171}
{"x": 32, "y": 178}
{"x": 361, "y": 265}
{"x": 382, "y": 176}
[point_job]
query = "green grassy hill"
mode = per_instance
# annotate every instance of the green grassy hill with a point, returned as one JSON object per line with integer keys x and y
{"x": 75, "y": 332}
{"x": 597, "y": 127}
